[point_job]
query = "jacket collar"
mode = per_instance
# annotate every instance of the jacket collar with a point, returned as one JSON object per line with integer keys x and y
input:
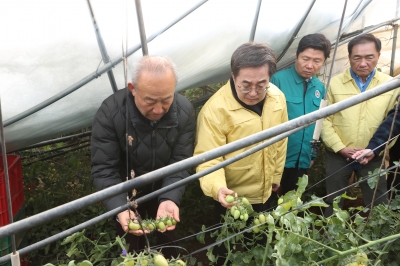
{"x": 170, "y": 119}
{"x": 299, "y": 79}
{"x": 347, "y": 76}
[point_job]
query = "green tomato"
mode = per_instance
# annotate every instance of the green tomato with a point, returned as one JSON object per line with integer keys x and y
{"x": 151, "y": 226}
{"x": 169, "y": 222}
{"x": 241, "y": 217}
{"x": 233, "y": 209}
{"x": 173, "y": 221}
{"x": 362, "y": 258}
{"x": 133, "y": 226}
{"x": 236, "y": 214}
{"x": 256, "y": 229}
{"x": 261, "y": 217}
{"x": 280, "y": 201}
{"x": 256, "y": 221}
{"x": 246, "y": 217}
{"x": 352, "y": 264}
{"x": 161, "y": 226}
{"x": 180, "y": 263}
{"x": 144, "y": 262}
{"x": 245, "y": 201}
{"x": 229, "y": 199}
{"x": 159, "y": 260}
{"x": 129, "y": 262}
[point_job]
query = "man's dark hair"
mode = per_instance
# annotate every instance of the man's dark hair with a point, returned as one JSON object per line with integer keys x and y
{"x": 253, "y": 55}
{"x": 364, "y": 38}
{"x": 315, "y": 41}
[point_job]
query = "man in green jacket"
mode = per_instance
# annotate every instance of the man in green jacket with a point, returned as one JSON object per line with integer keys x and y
{"x": 345, "y": 132}
{"x": 303, "y": 92}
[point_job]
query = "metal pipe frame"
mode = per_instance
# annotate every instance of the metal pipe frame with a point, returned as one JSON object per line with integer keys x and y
{"x": 254, "y": 26}
{"x": 335, "y": 49}
{"x": 152, "y": 195}
{"x": 295, "y": 32}
{"x": 97, "y": 73}
{"x": 54, "y": 150}
{"x": 102, "y": 47}
{"x": 393, "y": 49}
{"x": 193, "y": 161}
{"x": 142, "y": 32}
{"x": 6, "y": 179}
{"x": 58, "y": 154}
{"x": 53, "y": 141}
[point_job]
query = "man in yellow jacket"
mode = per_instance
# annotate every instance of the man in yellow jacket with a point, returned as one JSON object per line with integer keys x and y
{"x": 345, "y": 132}
{"x": 246, "y": 105}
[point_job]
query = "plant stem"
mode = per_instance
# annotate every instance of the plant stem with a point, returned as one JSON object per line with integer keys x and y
{"x": 371, "y": 243}
{"x": 316, "y": 242}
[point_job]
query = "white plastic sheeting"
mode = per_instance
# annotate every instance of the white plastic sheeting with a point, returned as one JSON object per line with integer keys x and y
{"x": 48, "y": 45}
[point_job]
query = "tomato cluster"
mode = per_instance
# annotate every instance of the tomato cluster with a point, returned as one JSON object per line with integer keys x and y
{"x": 241, "y": 207}
{"x": 150, "y": 225}
{"x": 151, "y": 259}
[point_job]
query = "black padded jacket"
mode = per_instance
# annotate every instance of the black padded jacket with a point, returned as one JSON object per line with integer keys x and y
{"x": 150, "y": 147}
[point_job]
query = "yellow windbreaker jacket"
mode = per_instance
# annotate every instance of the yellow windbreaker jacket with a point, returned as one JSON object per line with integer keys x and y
{"x": 355, "y": 126}
{"x": 223, "y": 120}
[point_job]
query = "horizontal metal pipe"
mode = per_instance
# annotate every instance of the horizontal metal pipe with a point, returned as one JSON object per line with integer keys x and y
{"x": 95, "y": 74}
{"x": 38, "y": 154}
{"x": 155, "y": 175}
{"x": 151, "y": 195}
{"x": 58, "y": 154}
{"x": 53, "y": 141}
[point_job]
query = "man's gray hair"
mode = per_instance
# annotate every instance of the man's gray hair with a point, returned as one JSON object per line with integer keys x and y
{"x": 253, "y": 55}
{"x": 156, "y": 65}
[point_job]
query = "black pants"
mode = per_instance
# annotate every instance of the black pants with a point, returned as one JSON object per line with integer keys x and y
{"x": 137, "y": 243}
{"x": 394, "y": 154}
{"x": 290, "y": 177}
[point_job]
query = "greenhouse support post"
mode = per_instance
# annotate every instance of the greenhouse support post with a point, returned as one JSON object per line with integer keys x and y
{"x": 142, "y": 32}
{"x": 6, "y": 178}
{"x": 102, "y": 47}
{"x": 255, "y": 20}
{"x": 155, "y": 175}
{"x": 393, "y": 49}
{"x": 295, "y": 32}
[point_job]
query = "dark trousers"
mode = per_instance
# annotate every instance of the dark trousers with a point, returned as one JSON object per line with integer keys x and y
{"x": 138, "y": 243}
{"x": 290, "y": 177}
{"x": 394, "y": 154}
{"x": 340, "y": 179}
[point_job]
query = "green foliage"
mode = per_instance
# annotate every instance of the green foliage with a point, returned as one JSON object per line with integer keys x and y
{"x": 288, "y": 237}
{"x": 49, "y": 184}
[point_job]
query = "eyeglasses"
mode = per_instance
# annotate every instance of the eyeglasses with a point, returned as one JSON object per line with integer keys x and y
{"x": 246, "y": 88}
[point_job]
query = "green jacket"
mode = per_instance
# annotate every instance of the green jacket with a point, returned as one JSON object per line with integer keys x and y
{"x": 298, "y": 104}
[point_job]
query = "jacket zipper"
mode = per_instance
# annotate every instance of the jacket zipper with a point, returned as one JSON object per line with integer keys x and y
{"x": 303, "y": 130}
{"x": 153, "y": 149}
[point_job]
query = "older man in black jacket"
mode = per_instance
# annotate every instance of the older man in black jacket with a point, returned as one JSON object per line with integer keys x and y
{"x": 161, "y": 126}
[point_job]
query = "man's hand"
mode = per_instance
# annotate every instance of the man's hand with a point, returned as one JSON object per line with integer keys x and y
{"x": 222, "y": 193}
{"x": 363, "y": 156}
{"x": 275, "y": 187}
{"x": 311, "y": 164}
{"x": 347, "y": 152}
{"x": 124, "y": 218}
{"x": 168, "y": 208}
